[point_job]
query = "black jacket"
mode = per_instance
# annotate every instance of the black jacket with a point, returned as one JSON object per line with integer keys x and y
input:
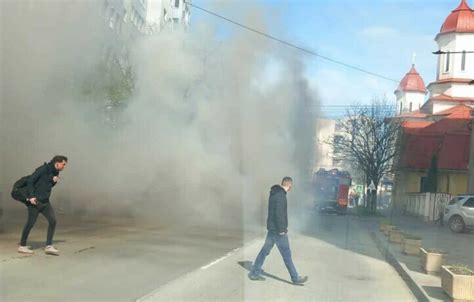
{"x": 277, "y": 210}
{"x": 41, "y": 182}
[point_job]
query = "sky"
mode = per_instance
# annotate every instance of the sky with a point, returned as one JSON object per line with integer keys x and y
{"x": 380, "y": 36}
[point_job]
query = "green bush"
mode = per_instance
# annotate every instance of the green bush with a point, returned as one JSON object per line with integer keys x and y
{"x": 460, "y": 269}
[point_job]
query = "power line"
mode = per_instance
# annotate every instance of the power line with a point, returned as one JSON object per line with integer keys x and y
{"x": 356, "y": 106}
{"x": 292, "y": 45}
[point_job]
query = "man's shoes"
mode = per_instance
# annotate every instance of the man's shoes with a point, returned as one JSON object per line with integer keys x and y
{"x": 300, "y": 281}
{"x": 256, "y": 277}
{"x": 50, "y": 250}
{"x": 25, "y": 250}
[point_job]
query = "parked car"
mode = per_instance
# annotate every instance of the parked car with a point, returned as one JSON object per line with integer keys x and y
{"x": 459, "y": 213}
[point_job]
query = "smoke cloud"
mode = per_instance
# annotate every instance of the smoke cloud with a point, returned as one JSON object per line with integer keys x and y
{"x": 212, "y": 123}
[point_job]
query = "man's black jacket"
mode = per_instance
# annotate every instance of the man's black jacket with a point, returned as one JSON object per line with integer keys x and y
{"x": 277, "y": 220}
{"x": 41, "y": 182}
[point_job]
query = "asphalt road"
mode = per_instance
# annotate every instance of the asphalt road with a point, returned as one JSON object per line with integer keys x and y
{"x": 114, "y": 261}
{"x": 126, "y": 261}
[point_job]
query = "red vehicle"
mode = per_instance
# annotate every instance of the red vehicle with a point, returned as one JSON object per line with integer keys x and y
{"x": 331, "y": 190}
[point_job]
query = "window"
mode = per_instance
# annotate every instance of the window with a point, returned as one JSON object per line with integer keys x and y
{"x": 401, "y": 107}
{"x": 463, "y": 61}
{"x": 176, "y": 3}
{"x": 446, "y": 65}
{"x": 469, "y": 203}
{"x": 411, "y": 106}
{"x": 453, "y": 201}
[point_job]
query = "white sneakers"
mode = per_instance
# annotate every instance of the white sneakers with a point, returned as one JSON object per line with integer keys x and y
{"x": 25, "y": 250}
{"x": 50, "y": 250}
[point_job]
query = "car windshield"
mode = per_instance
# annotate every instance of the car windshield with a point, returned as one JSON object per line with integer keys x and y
{"x": 454, "y": 200}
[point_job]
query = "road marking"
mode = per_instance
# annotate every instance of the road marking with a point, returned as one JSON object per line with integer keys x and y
{"x": 150, "y": 295}
{"x": 220, "y": 259}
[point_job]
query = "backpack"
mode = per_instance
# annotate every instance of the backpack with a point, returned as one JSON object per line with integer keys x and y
{"x": 19, "y": 191}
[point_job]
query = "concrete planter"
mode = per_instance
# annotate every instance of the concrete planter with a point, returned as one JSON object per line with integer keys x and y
{"x": 431, "y": 261}
{"x": 388, "y": 228}
{"x": 395, "y": 236}
{"x": 411, "y": 246}
{"x": 457, "y": 286}
{"x": 383, "y": 225}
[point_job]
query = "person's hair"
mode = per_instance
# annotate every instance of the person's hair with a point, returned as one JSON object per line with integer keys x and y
{"x": 286, "y": 181}
{"x": 59, "y": 159}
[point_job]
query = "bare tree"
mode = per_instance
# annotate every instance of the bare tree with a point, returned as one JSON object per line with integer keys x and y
{"x": 368, "y": 139}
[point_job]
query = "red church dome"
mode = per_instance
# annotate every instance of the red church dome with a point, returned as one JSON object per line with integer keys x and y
{"x": 412, "y": 81}
{"x": 460, "y": 20}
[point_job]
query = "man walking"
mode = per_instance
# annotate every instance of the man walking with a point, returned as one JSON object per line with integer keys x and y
{"x": 277, "y": 226}
{"x": 36, "y": 198}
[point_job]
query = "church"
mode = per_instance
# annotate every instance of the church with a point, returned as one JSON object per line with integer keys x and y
{"x": 436, "y": 119}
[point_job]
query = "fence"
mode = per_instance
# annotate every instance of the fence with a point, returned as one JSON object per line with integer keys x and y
{"x": 427, "y": 206}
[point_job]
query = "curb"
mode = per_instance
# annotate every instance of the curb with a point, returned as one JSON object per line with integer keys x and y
{"x": 414, "y": 288}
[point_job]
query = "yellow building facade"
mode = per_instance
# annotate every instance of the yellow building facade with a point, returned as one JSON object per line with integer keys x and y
{"x": 452, "y": 182}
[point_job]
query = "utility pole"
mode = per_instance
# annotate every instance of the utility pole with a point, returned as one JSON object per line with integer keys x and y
{"x": 470, "y": 173}
{"x": 2, "y": 170}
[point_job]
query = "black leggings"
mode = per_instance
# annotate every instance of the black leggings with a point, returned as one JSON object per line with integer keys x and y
{"x": 33, "y": 211}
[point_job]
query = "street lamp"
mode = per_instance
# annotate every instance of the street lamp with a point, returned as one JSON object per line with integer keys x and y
{"x": 440, "y": 52}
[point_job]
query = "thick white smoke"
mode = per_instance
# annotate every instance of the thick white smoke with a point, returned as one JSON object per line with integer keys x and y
{"x": 203, "y": 137}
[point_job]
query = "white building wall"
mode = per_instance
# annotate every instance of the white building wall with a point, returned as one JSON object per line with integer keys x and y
{"x": 136, "y": 16}
{"x": 453, "y": 89}
{"x": 404, "y": 99}
{"x": 126, "y": 18}
{"x": 456, "y": 42}
{"x": 441, "y": 106}
{"x": 437, "y": 89}
{"x": 325, "y": 129}
{"x": 462, "y": 90}
{"x": 454, "y": 66}
{"x": 464, "y": 42}
{"x": 179, "y": 13}
{"x": 446, "y": 42}
{"x": 167, "y": 14}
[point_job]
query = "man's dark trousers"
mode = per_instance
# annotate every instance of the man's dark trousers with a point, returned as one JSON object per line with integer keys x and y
{"x": 283, "y": 245}
{"x": 33, "y": 211}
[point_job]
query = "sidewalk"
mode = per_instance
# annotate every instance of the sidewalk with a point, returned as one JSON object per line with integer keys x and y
{"x": 459, "y": 246}
{"x": 335, "y": 274}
